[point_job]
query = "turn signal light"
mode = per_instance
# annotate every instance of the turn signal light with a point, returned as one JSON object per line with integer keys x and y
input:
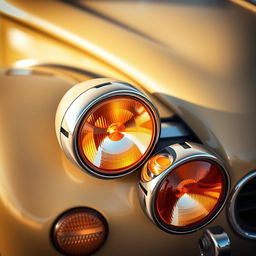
{"x": 188, "y": 192}
{"x": 156, "y": 165}
{"x": 80, "y": 231}
{"x": 108, "y": 128}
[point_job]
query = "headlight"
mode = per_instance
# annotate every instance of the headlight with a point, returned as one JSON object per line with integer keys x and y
{"x": 106, "y": 127}
{"x": 183, "y": 188}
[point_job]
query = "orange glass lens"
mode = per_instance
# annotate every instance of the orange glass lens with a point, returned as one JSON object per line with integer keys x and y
{"x": 156, "y": 165}
{"x": 80, "y": 232}
{"x": 190, "y": 194}
{"x": 116, "y": 134}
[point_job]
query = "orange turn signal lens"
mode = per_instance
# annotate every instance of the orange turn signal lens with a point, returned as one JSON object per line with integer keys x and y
{"x": 80, "y": 231}
{"x": 156, "y": 165}
{"x": 190, "y": 194}
{"x": 116, "y": 134}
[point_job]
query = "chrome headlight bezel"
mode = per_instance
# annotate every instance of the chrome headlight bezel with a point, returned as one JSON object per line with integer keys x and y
{"x": 78, "y": 101}
{"x": 180, "y": 153}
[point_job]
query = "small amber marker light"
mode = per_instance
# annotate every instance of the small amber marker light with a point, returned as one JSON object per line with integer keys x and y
{"x": 156, "y": 165}
{"x": 80, "y": 231}
{"x": 116, "y": 134}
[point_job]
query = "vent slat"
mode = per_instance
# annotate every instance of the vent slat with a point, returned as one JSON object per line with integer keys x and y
{"x": 247, "y": 209}
{"x": 247, "y": 193}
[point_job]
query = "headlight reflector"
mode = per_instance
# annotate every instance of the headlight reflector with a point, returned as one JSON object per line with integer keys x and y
{"x": 190, "y": 193}
{"x": 116, "y": 134}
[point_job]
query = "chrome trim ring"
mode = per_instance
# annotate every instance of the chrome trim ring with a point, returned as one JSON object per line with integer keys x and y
{"x": 181, "y": 153}
{"x": 78, "y": 101}
{"x": 231, "y": 209}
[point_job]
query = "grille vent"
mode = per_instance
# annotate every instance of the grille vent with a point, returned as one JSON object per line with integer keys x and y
{"x": 243, "y": 213}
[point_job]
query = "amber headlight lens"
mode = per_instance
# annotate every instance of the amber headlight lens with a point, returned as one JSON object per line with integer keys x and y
{"x": 108, "y": 128}
{"x": 190, "y": 193}
{"x": 80, "y": 231}
{"x": 116, "y": 134}
{"x": 182, "y": 188}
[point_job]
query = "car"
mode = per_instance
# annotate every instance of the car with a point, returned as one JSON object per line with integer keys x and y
{"x": 128, "y": 128}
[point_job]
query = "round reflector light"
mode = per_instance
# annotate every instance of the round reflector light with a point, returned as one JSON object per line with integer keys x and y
{"x": 116, "y": 134}
{"x": 108, "y": 128}
{"x": 80, "y": 231}
{"x": 188, "y": 193}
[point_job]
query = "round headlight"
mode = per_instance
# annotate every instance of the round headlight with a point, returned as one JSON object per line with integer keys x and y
{"x": 187, "y": 192}
{"x": 106, "y": 127}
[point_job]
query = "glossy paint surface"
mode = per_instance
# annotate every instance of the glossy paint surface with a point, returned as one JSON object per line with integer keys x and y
{"x": 38, "y": 182}
{"x": 204, "y": 73}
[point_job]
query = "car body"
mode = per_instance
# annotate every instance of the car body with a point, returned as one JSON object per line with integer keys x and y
{"x": 196, "y": 59}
